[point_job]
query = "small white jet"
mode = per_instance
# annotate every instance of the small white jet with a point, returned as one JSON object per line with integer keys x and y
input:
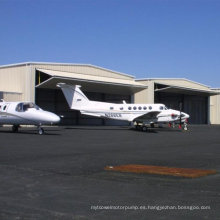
{"x": 141, "y": 114}
{"x": 25, "y": 113}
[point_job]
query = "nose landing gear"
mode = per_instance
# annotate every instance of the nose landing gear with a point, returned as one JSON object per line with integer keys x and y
{"x": 40, "y": 130}
{"x": 185, "y": 126}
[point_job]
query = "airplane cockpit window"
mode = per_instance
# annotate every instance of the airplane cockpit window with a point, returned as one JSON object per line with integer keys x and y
{"x": 161, "y": 108}
{"x": 165, "y": 108}
{"x": 22, "y": 107}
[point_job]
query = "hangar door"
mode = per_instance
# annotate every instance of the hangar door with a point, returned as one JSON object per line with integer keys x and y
{"x": 195, "y": 106}
{"x": 53, "y": 100}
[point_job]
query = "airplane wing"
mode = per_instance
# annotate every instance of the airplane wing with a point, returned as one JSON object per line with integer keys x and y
{"x": 147, "y": 116}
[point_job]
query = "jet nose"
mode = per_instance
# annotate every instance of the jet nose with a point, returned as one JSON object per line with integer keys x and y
{"x": 184, "y": 115}
{"x": 52, "y": 118}
{"x": 55, "y": 119}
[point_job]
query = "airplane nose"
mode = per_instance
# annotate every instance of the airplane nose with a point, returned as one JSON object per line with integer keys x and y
{"x": 52, "y": 118}
{"x": 55, "y": 118}
{"x": 184, "y": 115}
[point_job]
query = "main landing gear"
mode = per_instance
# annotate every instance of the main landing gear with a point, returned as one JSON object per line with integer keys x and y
{"x": 15, "y": 128}
{"x": 141, "y": 127}
{"x": 185, "y": 126}
{"x": 182, "y": 125}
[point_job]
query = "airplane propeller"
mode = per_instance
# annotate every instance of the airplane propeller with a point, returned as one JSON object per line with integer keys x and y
{"x": 180, "y": 107}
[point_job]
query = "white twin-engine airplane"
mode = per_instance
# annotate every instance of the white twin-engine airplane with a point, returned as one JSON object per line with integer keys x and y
{"x": 140, "y": 114}
{"x": 25, "y": 113}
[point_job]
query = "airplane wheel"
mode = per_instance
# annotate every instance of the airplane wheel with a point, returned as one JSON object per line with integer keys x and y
{"x": 144, "y": 128}
{"x": 15, "y": 128}
{"x": 152, "y": 125}
{"x": 138, "y": 127}
{"x": 185, "y": 128}
{"x": 40, "y": 131}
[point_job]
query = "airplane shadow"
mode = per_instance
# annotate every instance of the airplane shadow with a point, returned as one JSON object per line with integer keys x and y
{"x": 124, "y": 128}
{"x": 98, "y": 129}
{"x": 29, "y": 132}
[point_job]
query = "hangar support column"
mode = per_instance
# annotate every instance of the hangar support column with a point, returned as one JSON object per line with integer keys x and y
{"x": 146, "y": 95}
{"x": 215, "y": 108}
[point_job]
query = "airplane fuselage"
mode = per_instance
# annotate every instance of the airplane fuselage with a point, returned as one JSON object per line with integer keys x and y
{"x": 25, "y": 113}
{"x": 129, "y": 112}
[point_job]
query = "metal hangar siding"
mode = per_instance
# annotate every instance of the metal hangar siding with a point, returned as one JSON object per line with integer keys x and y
{"x": 37, "y": 82}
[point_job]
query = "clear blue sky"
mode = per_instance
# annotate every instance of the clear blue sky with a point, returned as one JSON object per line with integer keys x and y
{"x": 144, "y": 38}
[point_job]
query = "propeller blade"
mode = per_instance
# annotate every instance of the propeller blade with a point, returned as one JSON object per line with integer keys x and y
{"x": 180, "y": 122}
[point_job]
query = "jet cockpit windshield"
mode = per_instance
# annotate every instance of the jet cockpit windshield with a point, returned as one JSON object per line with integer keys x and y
{"x": 25, "y": 106}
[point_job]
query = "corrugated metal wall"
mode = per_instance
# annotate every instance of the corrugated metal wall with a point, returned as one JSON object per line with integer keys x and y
{"x": 17, "y": 83}
{"x": 195, "y": 106}
{"x": 12, "y": 79}
{"x": 12, "y": 97}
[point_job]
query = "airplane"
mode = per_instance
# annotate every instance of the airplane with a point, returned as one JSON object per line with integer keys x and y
{"x": 139, "y": 114}
{"x": 25, "y": 113}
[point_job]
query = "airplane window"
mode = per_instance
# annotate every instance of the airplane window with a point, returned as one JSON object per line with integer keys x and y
{"x": 161, "y": 107}
{"x": 111, "y": 108}
{"x": 144, "y": 107}
{"x": 19, "y": 107}
{"x": 150, "y": 107}
{"x": 22, "y": 107}
{"x": 134, "y": 107}
{"x": 139, "y": 107}
{"x": 121, "y": 108}
{"x": 129, "y": 108}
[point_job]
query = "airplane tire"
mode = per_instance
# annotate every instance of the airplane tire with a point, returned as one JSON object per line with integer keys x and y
{"x": 185, "y": 129}
{"x": 15, "y": 128}
{"x": 152, "y": 125}
{"x": 40, "y": 131}
{"x": 144, "y": 128}
{"x": 138, "y": 127}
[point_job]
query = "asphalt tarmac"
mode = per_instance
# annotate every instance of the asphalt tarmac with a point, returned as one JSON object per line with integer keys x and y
{"x": 60, "y": 175}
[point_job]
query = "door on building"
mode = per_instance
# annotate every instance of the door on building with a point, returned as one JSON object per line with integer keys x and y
{"x": 194, "y": 105}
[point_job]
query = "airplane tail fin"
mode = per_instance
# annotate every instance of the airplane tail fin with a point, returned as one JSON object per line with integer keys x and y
{"x": 74, "y": 96}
